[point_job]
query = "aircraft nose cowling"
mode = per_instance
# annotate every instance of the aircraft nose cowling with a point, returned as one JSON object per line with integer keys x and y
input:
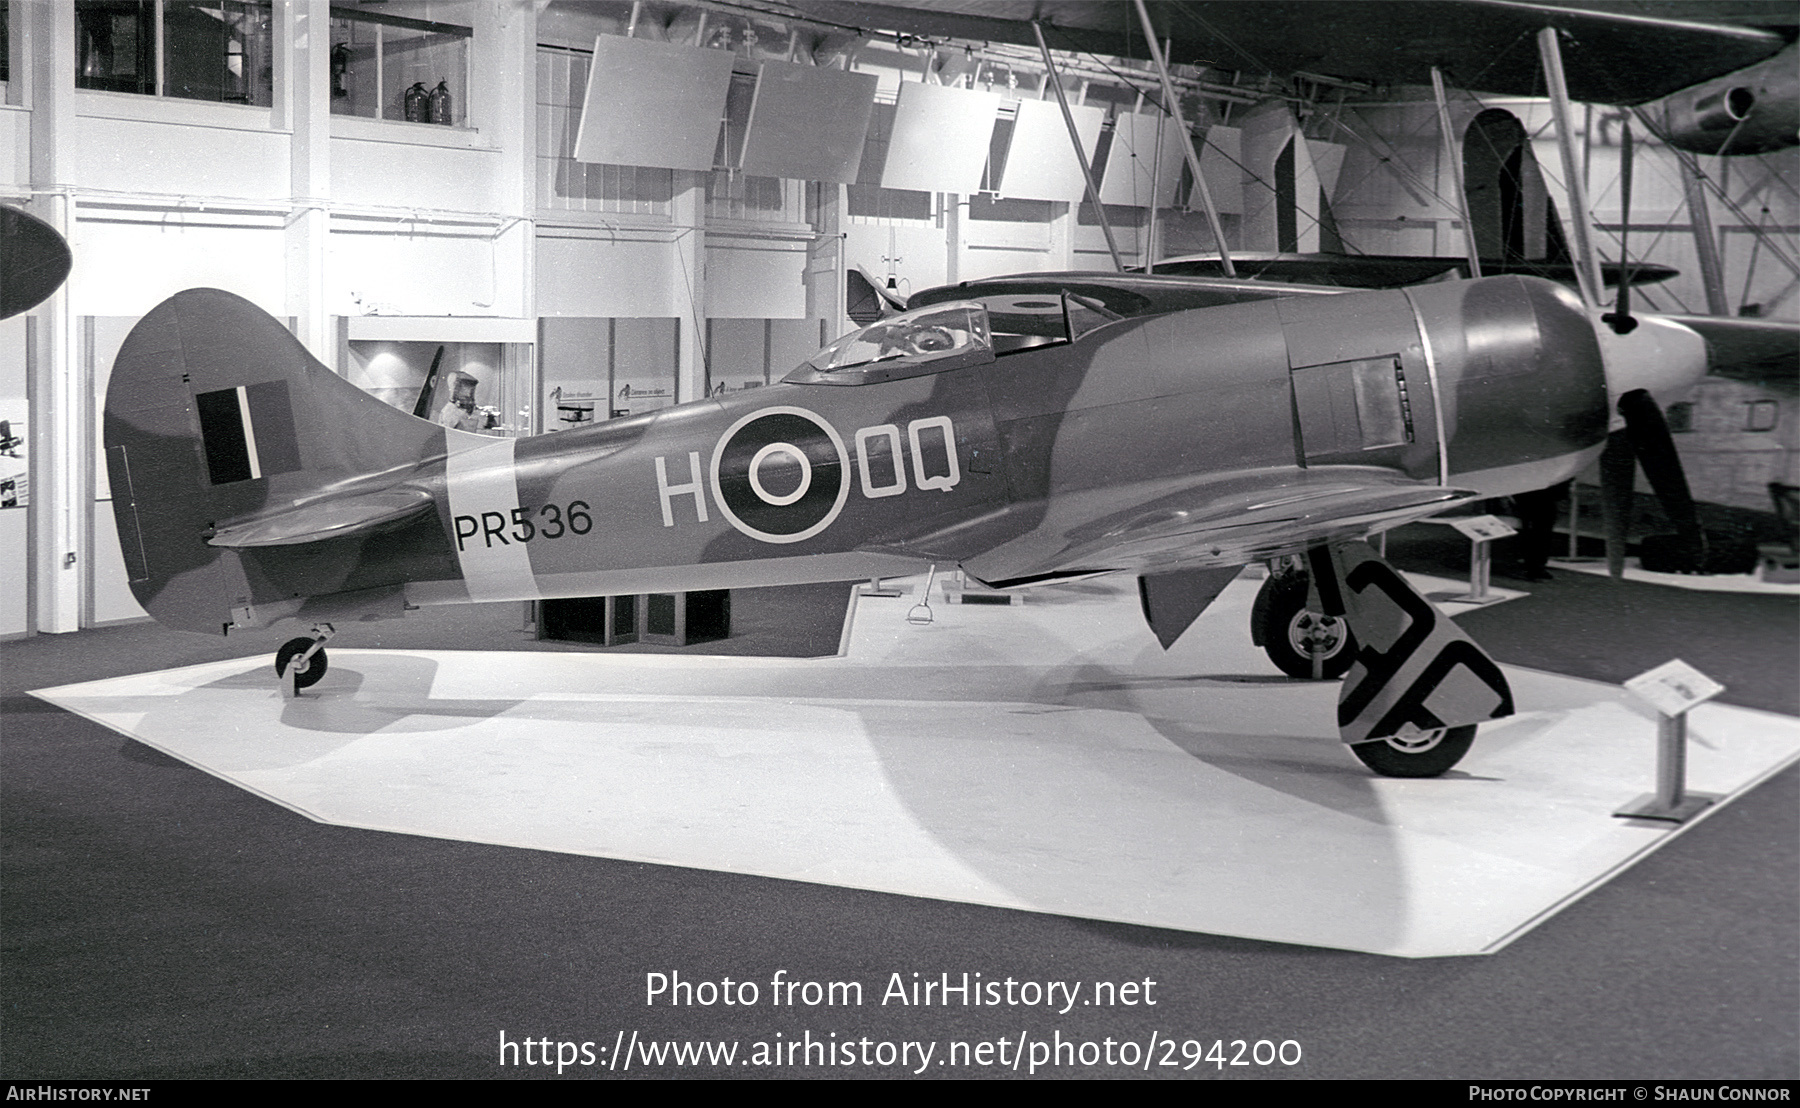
{"x": 1660, "y": 356}
{"x": 1521, "y": 380}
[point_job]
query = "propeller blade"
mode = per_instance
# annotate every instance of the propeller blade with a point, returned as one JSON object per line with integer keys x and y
{"x": 1655, "y": 449}
{"x": 1618, "y": 475}
{"x": 1620, "y": 317}
{"x": 34, "y": 260}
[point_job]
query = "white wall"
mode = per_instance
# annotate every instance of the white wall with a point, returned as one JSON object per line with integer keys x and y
{"x": 392, "y": 272}
{"x": 607, "y": 276}
{"x": 919, "y": 245}
{"x": 137, "y": 156}
{"x": 405, "y": 174}
{"x": 751, "y": 279}
{"x": 109, "y": 593}
{"x": 15, "y": 146}
{"x": 127, "y": 268}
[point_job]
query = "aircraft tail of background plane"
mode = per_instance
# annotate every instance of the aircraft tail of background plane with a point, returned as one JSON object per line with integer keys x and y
{"x": 245, "y": 475}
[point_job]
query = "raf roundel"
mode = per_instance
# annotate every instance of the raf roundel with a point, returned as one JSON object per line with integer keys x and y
{"x": 779, "y": 474}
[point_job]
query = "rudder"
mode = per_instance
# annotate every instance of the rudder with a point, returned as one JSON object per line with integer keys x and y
{"x": 214, "y": 414}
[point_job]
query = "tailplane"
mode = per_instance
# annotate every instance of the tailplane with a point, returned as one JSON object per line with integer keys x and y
{"x": 221, "y": 431}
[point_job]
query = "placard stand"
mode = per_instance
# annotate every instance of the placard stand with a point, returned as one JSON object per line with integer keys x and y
{"x": 1480, "y": 531}
{"x": 1671, "y": 688}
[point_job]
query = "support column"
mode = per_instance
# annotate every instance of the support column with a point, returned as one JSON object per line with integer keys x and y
{"x": 689, "y": 213}
{"x": 1087, "y": 171}
{"x": 825, "y": 264}
{"x": 307, "y": 101}
{"x": 512, "y": 32}
{"x": 1063, "y": 226}
{"x": 60, "y": 498}
{"x": 950, "y": 204}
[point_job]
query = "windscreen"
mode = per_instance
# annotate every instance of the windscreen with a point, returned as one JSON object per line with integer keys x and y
{"x": 923, "y": 335}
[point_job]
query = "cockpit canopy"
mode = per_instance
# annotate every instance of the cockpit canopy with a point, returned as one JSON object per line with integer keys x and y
{"x": 914, "y": 340}
{"x": 950, "y": 335}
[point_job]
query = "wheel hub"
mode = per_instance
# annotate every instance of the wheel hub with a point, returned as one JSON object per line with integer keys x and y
{"x": 1419, "y": 743}
{"x": 1314, "y": 634}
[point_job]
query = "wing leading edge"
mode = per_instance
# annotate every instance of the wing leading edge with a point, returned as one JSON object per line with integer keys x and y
{"x": 1219, "y": 520}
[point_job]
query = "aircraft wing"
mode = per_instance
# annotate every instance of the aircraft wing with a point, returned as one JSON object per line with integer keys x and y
{"x": 1227, "y": 519}
{"x": 1747, "y": 349}
{"x": 1389, "y": 271}
{"x": 1123, "y": 294}
{"x": 1616, "y": 53}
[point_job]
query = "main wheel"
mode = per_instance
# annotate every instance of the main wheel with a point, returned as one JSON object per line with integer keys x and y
{"x": 1426, "y": 755}
{"x": 1291, "y": 633}
{"x": 314, "y": 666}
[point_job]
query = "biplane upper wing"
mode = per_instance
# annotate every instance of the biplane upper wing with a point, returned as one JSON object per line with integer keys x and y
{"x": 1616, "y": 53}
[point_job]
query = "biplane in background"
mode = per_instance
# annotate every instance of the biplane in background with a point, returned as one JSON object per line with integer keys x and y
{"x": 1711, "y": 77}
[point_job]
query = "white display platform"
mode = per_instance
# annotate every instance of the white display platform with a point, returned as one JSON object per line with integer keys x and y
{"x": 1047, "y": 757}
{"x": 1698, "y": 582}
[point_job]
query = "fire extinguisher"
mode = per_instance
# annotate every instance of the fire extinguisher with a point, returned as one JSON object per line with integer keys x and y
{"x": 417, "y": 108}
{"x": 440, "y": 104}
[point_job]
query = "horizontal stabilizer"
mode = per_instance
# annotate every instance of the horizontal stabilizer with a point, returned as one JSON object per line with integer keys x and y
{"x": 326, "y": 519}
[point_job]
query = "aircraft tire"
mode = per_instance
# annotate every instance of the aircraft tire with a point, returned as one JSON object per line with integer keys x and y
{"x": 1429, "y": 755}
{"x": 315, "y": 665}
{"x": 1287, "y": 624}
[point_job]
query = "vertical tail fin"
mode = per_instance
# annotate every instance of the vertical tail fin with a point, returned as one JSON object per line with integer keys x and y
{"x": 215, "y": 413}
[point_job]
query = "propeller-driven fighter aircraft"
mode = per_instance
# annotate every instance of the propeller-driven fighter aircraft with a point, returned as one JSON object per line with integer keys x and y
{"x": 1024, "y": 438}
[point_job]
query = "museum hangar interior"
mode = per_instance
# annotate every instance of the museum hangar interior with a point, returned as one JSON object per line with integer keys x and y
{"x": 534, "y": 219}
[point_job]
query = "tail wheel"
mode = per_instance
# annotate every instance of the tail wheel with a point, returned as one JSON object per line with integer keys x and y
{"x": 1292, "y": 635}
{"x": 1428, "y": 754}
{"x": 312, "y": 669}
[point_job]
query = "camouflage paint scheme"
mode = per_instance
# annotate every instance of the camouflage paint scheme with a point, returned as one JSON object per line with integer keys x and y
{"x": 1024, "y": 436}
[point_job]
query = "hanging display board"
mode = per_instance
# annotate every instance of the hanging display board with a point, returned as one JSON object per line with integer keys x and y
{"x": 1281, "y": 186}
{"x": 940, "y": 139}
{"x": 1222, "y": 161}
{"x": 1136, "y": 159}
{"x": 808, "y": 123}
{"x": 653, "y": 104}
{"x": 1040, "y": 163}
{"x": 1328, "y": 160}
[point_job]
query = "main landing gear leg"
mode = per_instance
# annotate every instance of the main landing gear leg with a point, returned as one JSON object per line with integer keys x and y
{"x": 1420, "y": 685}
{"x": 301, "y": 662}
{"x": 1299, "y": 638}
